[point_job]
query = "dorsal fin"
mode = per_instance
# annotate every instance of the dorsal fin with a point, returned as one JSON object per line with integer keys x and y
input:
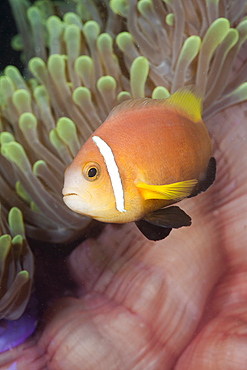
{"x": 132, "y": 104}
{"x": 189, "y": 100}
{"x": 186, "y": 100}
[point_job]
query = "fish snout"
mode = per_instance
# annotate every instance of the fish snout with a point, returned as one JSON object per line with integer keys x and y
{"x": 66, "y": 192}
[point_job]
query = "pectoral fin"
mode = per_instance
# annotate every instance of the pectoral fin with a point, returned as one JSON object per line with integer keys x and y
{"x": 175, "y": 191}
{"x": 158, "y": 225}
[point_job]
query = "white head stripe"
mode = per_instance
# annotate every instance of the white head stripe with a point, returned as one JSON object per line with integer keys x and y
{"x": 113, "y": 172}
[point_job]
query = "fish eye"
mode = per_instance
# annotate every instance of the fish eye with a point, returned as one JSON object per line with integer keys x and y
{"x": 91, "y": 171}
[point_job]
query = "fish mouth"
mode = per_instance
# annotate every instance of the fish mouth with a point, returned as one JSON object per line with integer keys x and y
{"x": 75, "y": 203}
{"x": 69, "y": 191}
{"x": 69, "y": 194}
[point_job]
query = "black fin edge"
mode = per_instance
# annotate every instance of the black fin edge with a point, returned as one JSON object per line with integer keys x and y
{"x": 208, "y": 181}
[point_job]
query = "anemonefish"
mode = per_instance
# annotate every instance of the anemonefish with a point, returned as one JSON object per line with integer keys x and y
{"x": 147, "y": 155}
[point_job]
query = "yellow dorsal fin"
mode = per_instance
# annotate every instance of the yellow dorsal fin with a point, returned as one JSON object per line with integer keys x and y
{"x": 189, "y": 100}
{"x": 175, "y": 191}
{"x": 186, "y": 100}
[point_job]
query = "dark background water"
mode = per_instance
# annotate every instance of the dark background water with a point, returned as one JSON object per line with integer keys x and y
{"x": 7, "y": 31}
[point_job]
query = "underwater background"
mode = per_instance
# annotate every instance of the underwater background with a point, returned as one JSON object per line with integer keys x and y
{"x": 78, "y": 60}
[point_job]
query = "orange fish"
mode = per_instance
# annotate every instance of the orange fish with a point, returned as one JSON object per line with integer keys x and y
{"x": 147, "y": 155}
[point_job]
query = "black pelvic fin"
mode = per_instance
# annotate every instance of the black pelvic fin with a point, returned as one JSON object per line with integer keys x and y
{"x": 152, "y": 232}
{"x": 173, "y": 217}
{"x": 158, "y": 224}
{"x": 209, "y": 179}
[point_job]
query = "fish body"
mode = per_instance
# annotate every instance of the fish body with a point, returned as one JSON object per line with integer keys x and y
{"x": 147, "y": 155}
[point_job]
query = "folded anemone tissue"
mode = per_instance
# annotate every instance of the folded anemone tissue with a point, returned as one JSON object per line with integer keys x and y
{"x": 80, "y": 59}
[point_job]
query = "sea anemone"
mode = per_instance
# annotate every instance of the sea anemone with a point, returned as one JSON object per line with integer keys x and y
{"x": 81, "y": 59}
{"x": 16, "y": 266}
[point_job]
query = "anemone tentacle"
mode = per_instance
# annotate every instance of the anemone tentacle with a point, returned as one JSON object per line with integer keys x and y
{"x": 81, "y": 59}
